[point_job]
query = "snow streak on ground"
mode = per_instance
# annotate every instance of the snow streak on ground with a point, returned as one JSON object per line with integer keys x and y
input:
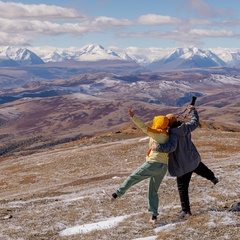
{"x": 112, "y": 222}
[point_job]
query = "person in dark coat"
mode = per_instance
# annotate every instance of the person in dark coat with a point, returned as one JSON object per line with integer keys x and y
{"x": 184, "y": 159}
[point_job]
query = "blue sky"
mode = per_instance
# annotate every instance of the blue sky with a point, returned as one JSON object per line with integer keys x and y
{"x": 125, "y": 23}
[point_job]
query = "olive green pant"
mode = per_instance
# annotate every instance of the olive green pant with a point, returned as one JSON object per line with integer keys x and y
{"x": 155, "y": 172}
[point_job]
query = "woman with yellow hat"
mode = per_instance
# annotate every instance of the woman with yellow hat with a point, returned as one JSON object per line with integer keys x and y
{"x": 155, "y": 166}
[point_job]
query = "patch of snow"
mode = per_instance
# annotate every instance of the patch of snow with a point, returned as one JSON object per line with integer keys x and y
{"x": 225, "y": 218}
{"x": 217, "y": 79}
{"x": 108, "y": 82}
{"x": 111, "y": 222}
{"x": 116, "y": 177}
{"x": 168, "y": 227}
{"x": 146, "y": 238}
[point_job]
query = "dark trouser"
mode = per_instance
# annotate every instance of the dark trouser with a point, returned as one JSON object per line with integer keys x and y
{"x": 183, "y": 183}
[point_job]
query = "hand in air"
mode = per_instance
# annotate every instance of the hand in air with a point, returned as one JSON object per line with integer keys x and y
{"x": 190, "y": 107}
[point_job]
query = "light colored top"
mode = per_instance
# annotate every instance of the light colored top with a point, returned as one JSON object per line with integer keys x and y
{"x": 156, "y": 136}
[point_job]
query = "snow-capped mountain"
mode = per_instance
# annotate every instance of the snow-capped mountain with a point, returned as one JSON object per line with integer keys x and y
{"x": 96, "y": 52}
{"x": 53, "y": 57}
{"x": 19, "y": 56}
{"x": 182, "y": 58}
{"x": 230, "y": 56}
{"x": 153, "y": 59}
{"x": 93, "y": 52}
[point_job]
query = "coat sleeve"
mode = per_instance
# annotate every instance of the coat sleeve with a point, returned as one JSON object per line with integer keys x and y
{"x": 140, "y": 124}
{"x": 170, "y": 146}
{"x": 186, "y": 128}
{"x": 194, "y": 123}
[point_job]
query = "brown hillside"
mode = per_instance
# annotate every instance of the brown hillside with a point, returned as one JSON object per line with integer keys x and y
{"x": 32, "y": 124}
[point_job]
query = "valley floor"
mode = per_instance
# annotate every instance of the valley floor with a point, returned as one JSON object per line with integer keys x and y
{"x": 57, "y": 194}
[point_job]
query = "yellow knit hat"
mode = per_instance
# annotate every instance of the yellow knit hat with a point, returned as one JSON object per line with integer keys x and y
{"x": 160, "y": 122}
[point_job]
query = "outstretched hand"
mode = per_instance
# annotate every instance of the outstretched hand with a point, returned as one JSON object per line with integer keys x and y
{"x": 130, "y": 112}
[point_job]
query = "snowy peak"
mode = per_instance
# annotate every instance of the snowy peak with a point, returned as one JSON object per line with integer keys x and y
{"x": 93, "y": 52}
{"x": 182, "y": 58}
{"x": 20, "y": 56}
{"x": 96, "y": 52}
{"x": 93, "y": 48}
{"x": 53, "y": 57}
{"x": 200, "y": 55}
{"x": 27, "y": 57}
{"x": 230, "y": 56}
{"x": 154, "y": 59}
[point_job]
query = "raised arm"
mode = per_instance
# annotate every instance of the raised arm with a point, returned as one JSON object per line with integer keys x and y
{"x": 137, "y": 121}
{"x": 194, "y": 122}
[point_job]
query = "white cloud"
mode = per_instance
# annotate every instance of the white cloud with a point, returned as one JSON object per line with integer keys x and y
{"x": 18, "y": 39}
{"x": 183, "y": 39}
{"x": 154, "y": 19}
{"x": 36, "y": 11}
{"x": 230, "y": 23}
{"x": 107, "y": 21}
{"x": 212, "y": 33}
{"x": 200, "y": 22}
{"x": 22, "y": 24}
{"x": 34, "y": 26}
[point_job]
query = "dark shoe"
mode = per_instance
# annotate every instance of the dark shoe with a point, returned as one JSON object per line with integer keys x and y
{"x": 153, "y": 220}
{"x": 215, "y": 181}
{"x": 184, "y": 214}
{"x": 112, "y": 197}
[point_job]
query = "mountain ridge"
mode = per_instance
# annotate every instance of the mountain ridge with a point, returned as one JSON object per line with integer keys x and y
{"x": 150, "y": 59}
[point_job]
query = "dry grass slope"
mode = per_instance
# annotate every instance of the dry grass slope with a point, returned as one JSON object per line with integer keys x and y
{"x": 48, "y": 191}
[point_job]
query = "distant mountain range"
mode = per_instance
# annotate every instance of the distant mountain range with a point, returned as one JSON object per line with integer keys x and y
{"x": 70, "y": 94}
{"x": 23, "y": 73}
{"x": 152, "y": 59}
